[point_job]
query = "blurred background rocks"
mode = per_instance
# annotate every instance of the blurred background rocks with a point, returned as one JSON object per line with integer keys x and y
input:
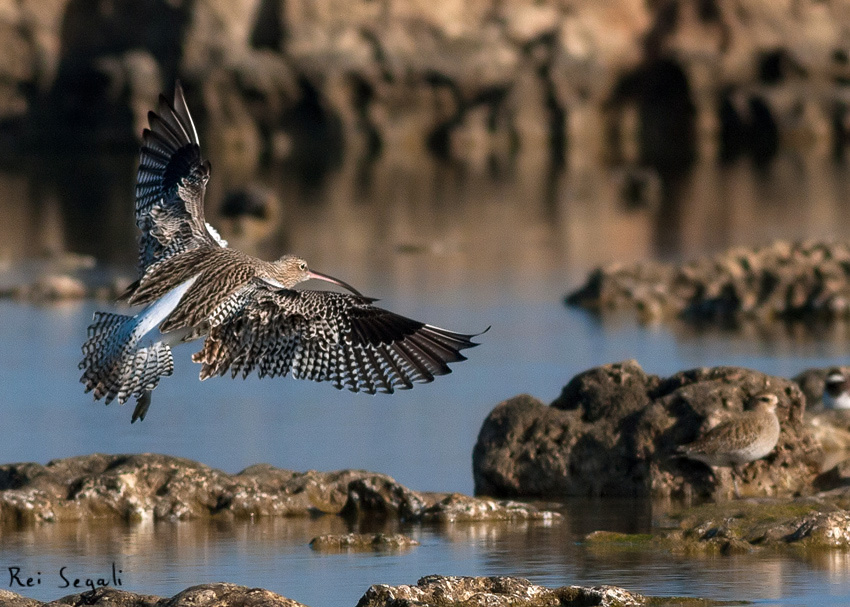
{"x": 649, "y": 82}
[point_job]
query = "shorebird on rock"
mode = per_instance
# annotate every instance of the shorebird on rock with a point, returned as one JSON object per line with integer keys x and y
{"x": 743, "y": 438}
{"x": 246, "y": 309}
{"x": 836, "y": 390}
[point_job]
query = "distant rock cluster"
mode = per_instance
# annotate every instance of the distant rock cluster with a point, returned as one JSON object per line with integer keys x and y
{"x": 615, "y": 430}
{"x": 59, "y": 277}
{"x": 807, "y": 281}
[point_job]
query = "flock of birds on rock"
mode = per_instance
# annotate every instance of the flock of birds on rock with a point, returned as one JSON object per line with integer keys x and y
{"x": 252, "y": 318}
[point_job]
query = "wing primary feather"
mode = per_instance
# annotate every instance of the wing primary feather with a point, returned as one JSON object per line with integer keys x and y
{"x": 437, "y": 360}
{"x": 393, "y": 359}
{"x": 169, "y": 115}
{"x": 421, "y": 371}
{"x": 164, "y": 128}
{"x": 182, "y": 110}
{"x": 433, "y": 365}
{"x": 448, "y": 354}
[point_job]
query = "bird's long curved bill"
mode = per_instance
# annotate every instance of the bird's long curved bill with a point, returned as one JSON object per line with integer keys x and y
{"x": 336, "y": 281}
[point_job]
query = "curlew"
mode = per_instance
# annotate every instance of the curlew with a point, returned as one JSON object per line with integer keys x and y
{"x": 247, "y": 310}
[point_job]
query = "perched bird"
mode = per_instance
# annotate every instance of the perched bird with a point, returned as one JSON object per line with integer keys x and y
{"x": 246, "y": 309}
{"x": 746, "y": 437}
{"x": 836, "y": 390}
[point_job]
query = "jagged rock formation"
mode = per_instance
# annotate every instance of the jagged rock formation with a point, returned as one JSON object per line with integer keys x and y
{"x": 615, "y": 429}
{"x": 788, "y": 281}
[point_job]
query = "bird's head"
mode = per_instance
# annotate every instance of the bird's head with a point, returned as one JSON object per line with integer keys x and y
{"x": 834, "y": 377}
{"x": 290, "y": 270}
{"x": 764, "y": 402}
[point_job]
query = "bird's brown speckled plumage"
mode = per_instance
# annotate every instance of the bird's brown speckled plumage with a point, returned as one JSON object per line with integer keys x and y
{"x": 253, "y": 320}
{"x": 744, "y": 437}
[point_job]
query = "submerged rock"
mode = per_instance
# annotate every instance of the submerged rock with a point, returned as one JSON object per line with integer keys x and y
{"x": 502, "y": 591}
{"x": 161, "y": 487}
{"x": 614, "y": 431}
{"x": 790, "y": 281}
{"x": 362, "y": 541}
{"x": 818, "y": 522}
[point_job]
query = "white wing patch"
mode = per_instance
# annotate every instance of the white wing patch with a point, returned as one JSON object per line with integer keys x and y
{"x": 216, "y": 236}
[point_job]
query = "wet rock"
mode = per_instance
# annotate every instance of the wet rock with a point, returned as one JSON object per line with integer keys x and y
{"x": 614, "y": 431}
{"x": 382, "y": 495}
{"x": 11, "y": 599}
{"x": 205, "y": 595}
{"x": 362, "y": 541}
{"x": 458, "y": 507}
{"x": 432, "y": 590}
{"x": 160, "y": 487}
{"x": 739, "y": 526}
{"x": 503, "y": 592}
{"x": 789, "y": 281}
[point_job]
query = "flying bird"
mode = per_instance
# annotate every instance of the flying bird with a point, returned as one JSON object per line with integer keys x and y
{"x": 247, "y": 310}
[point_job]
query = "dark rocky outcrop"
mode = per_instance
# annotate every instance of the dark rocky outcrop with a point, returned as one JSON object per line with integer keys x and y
{"x": 160, "y": 487}
{"x": 788, "y": 281}
{"x": 614, "y": 430}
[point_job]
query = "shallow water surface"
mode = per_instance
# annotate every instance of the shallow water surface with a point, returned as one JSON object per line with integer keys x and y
{"x": 487, "y": 252}
{"x": 164, "y": 558}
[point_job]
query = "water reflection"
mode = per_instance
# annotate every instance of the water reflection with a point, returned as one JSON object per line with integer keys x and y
{"x": 524, "y": 217}
{"x": 163, "y": 558}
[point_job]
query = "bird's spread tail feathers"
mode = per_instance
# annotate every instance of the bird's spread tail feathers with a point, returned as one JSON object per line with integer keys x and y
{"x": 115, "y": 367}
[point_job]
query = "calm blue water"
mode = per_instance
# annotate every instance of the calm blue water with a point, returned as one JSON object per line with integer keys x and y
{"x": 423, "y": 438}
{"x": 498, "y": 253}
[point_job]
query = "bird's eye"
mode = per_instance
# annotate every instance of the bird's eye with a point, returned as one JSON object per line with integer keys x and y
{"x": 302, "y": 266}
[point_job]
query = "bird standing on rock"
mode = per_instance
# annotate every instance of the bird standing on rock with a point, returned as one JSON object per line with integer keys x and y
{"x": 836, "y": 390}
{"x": 743, "y": 438}
{"x": 194, "y": 287}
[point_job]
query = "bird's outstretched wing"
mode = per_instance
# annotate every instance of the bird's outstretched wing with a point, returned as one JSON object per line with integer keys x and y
{"x": 325, "y": 336}
{"x": 170, "y": 185}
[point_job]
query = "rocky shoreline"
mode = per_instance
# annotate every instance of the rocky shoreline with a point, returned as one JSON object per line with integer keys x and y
{"x": 465, "y": 80}
{"x": 430, "y": 591}
{"x": 613, "y": 431}
{"x": 804, "y": 281}
{"x": 161, "y": 487}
